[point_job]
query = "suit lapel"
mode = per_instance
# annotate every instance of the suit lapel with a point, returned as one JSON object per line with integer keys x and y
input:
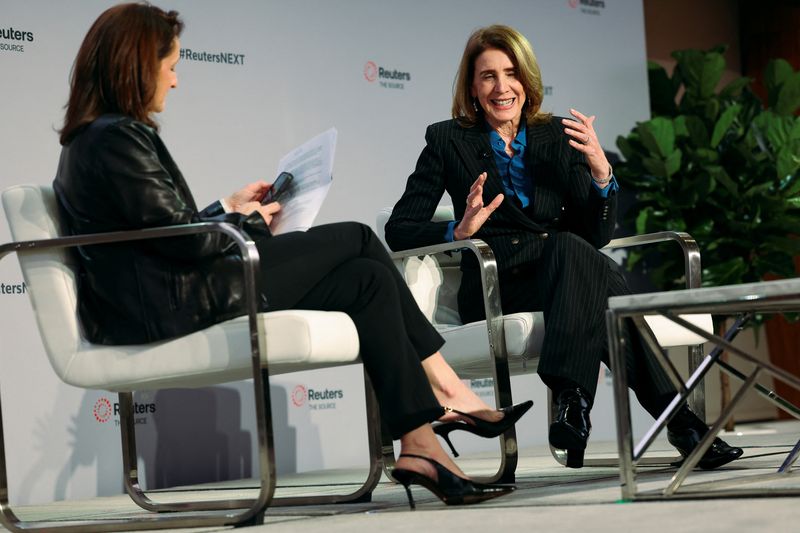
{"x": 539, "y": 150}
{"x": 474, "y": 150}
{"x": 476, "y": 153}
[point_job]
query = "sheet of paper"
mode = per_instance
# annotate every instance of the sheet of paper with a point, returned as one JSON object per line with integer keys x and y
{"x": 311, "y": 164}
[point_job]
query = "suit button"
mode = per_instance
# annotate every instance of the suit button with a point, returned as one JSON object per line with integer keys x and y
{"x": 544, "y": 235}
{"x": 514, "y": 241}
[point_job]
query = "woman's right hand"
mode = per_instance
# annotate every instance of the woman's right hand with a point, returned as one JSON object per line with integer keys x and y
{"x": 476, "y": 213}
{"x": 266, "y": 211}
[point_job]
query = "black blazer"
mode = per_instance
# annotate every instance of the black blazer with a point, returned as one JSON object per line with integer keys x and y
{"x": 564, "y": 198}
{"x": 115, "y": 175}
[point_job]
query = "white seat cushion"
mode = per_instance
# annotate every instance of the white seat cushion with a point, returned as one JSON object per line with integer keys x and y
{"x": 295, "y": 340}
{"x": 467, "y": 346}
{"x": 670, "y": 334}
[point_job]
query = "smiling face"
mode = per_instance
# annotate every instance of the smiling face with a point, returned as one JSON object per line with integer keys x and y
{"x": 498, "y": 90}
{"x": 167, "y": 78}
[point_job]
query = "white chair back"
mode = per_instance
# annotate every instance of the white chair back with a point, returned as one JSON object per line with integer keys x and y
{"x": 49, "y": 275}
{"x": 433, "y": 280}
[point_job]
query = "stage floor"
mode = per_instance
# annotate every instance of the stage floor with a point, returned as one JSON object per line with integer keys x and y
{"x": 549, "y": 497}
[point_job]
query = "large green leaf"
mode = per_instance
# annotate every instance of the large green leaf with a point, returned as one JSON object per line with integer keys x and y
{"x": 725, "y": 272}
{"x": 655, "y": 166}
{"x": 705, "y": 156}
{"x": 701, "y": 71}
{"x": 776, "y": 73}
{"x": 734, "y": 89}
{"x": 790, "y": 185}
{"x": 788, "y": 95}
{"x": 724, "y": 123}
{"x": 692, "y": 127}
{"x": 658, "y": 136}
{"x": 642, "y": 219}
{"x": 787, "y": 162}
{"x": 662, "y": 90}
{"x": 624, "y": 145}
{"x": 788, "y": 245}
{"x": 672, "y": 164}
{"x": 711, "y": 110}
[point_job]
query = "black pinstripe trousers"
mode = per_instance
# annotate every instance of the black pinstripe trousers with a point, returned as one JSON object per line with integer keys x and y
{"x": 345, "y": 267}
{"x": 570, "y": 283}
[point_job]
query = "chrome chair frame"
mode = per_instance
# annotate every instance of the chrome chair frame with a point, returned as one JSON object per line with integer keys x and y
{"x": 765, "y": 297}
{"x": 497, "y": 344}
{"x": 254, "y": 509}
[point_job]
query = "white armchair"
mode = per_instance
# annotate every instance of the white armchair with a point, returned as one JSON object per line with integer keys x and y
{"x": 252, "y": 346}
{"x": 506, "y": 345}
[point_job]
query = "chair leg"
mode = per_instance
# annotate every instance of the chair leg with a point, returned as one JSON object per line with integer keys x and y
{"x": 131, "y": 476}
{"x": 387, "y": 453}
{"x": 253, "y": 510}
{"x": 360, "y": 495}
{"x": 509, "y": 450}
{"x": 364, "y": 492}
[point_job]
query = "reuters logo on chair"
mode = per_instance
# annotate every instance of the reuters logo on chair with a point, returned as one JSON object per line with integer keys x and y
{"x": 299, "y": 395}
{"x": 102, "y": 410}
{"x": 370, "y": 71}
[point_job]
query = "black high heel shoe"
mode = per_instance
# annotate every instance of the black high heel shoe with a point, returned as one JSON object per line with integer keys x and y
{"x": 481, "y": 427}
{"x": 450, "y": 488}
{"x": 572, "y": 425}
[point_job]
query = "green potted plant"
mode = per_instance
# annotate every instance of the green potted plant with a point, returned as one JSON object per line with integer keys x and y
{"x": 720, "y": 165}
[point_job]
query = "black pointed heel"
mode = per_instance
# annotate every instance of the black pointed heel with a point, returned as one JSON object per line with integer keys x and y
{"x": 450, "y": 488}
{"x": 481, "y": 427}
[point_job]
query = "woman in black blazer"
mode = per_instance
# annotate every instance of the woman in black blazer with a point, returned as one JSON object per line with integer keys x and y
{"x": 116, "y": 174}
{"x": 540, "y": 191}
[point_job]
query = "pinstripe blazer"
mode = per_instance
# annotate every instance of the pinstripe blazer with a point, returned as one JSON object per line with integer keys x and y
{"x": 564, "y": 198}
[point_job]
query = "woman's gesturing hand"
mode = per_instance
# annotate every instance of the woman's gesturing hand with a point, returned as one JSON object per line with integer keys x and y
{"x": 476, "y": 213}
{"x": 584, "y": 139}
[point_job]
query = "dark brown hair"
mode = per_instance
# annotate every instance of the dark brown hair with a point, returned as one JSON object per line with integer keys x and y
{"x": 117, "y": 65}
{"x": 519, "y": 50}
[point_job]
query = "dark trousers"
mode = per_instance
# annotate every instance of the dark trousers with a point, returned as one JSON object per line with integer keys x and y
{"x": 571, "y": 283}
{"x": 344, "y": 267}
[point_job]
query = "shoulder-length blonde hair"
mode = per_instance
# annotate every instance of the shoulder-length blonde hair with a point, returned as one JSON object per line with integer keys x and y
{"x": 521, "y": 54}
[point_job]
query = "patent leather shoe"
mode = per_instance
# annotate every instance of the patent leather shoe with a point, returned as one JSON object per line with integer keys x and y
{"x": 572, "y": 425}
{"x": 448, "y": 487}
{"x": 718, "y": 454}
{"x": 479, "y": 426}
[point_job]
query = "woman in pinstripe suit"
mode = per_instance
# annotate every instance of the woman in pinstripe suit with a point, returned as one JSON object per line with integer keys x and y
{"x": 541, "y": 192}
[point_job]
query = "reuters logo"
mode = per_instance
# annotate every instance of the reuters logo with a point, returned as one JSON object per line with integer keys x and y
{"x": 102, "y": 410}
{"x": 299, "y": 395}
{"x": 370, "y": 71}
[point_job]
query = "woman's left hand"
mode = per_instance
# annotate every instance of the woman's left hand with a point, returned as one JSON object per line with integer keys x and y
{"x": 584, "y": 139}
{"x": 253, "y": 192}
